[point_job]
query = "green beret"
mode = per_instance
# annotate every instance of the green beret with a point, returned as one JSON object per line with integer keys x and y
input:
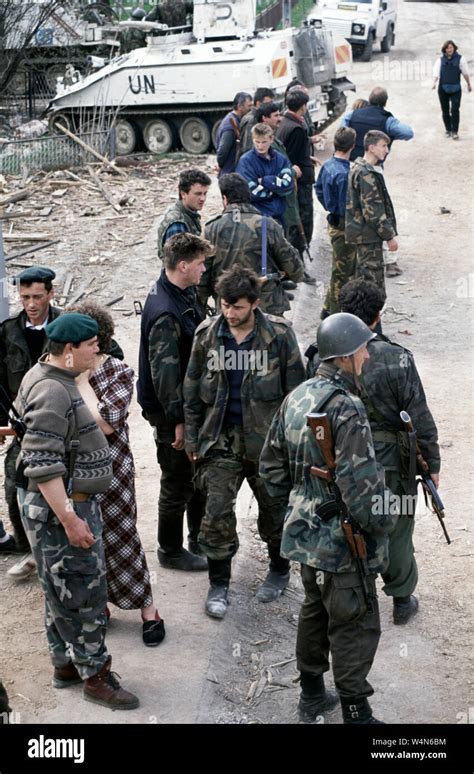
{"x": 72, "y": 327}
{"x": 35, "y": 274}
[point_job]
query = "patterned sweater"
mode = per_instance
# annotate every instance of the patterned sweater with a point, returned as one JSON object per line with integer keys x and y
{"x": 54, "y": 413}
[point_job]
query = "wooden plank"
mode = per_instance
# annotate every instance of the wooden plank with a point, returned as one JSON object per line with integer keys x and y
{"x": 88, "y": 148}
{"x": 31, "y": 250}
{"x": 107, "y": 196}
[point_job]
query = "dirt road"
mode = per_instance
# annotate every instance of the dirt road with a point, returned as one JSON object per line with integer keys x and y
{"x": 234, "y": 671}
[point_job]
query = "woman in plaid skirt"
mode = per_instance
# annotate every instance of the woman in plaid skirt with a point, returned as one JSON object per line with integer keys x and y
{"x": 107, "y": 390}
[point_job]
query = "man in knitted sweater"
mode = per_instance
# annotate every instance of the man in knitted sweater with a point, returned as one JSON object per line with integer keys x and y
{"x": 64, "y": 462}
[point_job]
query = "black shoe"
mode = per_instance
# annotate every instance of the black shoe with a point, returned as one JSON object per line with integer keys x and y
{"x": 315, "y": 700}
{"x": 288, "y": 284}
{"x": 404, "y": 608}
{"x": 9, "y": 546}
{"x": 153, "y": 632}
{"x": 182, "y": 560}
{"x": 309, "y": 279}
{"x": 289, "y": 296}
{"x": 273, "y": 586}
{"x": 358, "y": 712}
{"x": 217, "y": 602}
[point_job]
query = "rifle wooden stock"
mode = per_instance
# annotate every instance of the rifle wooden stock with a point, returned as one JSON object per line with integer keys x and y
{"x": 349, "y": 535}
{"x": 4, "y": 431}
{"x": 326, "y": 475}
{"x": 319, "y": 424}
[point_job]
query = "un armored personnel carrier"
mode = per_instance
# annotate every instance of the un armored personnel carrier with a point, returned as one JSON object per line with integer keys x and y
{"x": 175, "y": 91}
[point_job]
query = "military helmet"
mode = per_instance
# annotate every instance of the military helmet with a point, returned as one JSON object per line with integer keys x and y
{"x": 342, "y": 334}
{"x": 138, "y": 14}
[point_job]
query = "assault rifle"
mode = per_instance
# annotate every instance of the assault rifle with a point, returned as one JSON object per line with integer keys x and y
{"x": 427, "y": 484}
{"x": 319, "y": 424}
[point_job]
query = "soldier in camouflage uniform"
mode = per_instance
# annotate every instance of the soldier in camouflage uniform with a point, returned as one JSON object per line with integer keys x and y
{"x": 390, "y": 384}
{"x": 331, "y": 190}
{"x": 336, "y": 616}
{"x": 170, "y": 316}
{"x": 370, "y": 217}
{"x": 237, "y": 238}
{"x": 242, "y": 365}
{"x": 183, "y": 216}
{"x": 22, "y": 342}
{"x": 65, "y": 461}
{"x": 174, "y": 13}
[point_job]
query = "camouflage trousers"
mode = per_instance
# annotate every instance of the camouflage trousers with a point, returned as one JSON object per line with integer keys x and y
{"x": 370, "y": 265}
{"x": 73, "y": 582}
{"x": 334, "y": 620}
{"x": 343, "y": 267}
{"x": 220, "y": 475}
{"x": 401, "y": 575}
{"x": 11, "y": 457}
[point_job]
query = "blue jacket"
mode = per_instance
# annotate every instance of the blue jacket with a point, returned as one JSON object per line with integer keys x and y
{"x": 331, "y": 185}
{"x": 270, "y": 180}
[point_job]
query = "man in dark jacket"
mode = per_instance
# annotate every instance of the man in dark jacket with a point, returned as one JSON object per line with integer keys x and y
{"x": 170, "y": 317}
{"x": 375, "y": 116}
{"x": 294, "y": 135}
{"x": 228, "y": 134}
{"x": 22, "y": 342}
{"x": 261, "y": 97}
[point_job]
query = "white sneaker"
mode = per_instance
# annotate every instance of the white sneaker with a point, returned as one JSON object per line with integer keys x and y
{"x": 23, "y": 569}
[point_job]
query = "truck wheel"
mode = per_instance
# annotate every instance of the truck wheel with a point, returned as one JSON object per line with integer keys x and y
{"x": 125, "y": 137}
{"x": 386, "y": 42}
{"x": 215, "y": 129}
{"x": 368, "y": 48}
{"x": 158, "y": 136}
{"x": 59, "y": 118}
{"x": 195, "y": 135}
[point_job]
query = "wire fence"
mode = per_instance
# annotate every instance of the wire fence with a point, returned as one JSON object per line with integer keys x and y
{"x": 53, "y": 152}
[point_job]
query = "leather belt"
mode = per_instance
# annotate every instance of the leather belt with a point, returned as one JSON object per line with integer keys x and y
{"x": 80, "y": 497}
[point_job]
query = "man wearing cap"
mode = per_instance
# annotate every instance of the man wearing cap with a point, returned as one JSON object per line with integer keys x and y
{"x": 22, "y": 342}
{"x": 65, "y": 461}
{"x": 340, "y": 614}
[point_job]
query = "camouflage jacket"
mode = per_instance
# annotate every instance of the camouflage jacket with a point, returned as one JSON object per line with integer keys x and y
{"x": 178, "y": 213}
{"x": 291, "y": 449}
{"x": 15, "y": 359}
{"x": 390, "y": 384}
{"x": 276, "y": 370}
{"x": 237, "y": 237}
{"x": 370, "y": 216}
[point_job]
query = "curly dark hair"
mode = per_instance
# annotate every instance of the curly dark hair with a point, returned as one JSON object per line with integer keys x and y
{"x": 238, "y": 282}
{"x": 362, "y": 298}
{"x": 103, "y": 319}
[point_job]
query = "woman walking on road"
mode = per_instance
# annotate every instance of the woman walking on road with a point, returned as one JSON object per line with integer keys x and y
{"x": 448, "y": 70}
{"x": 107, "y": 390}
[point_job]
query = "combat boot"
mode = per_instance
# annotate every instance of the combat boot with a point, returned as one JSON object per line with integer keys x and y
{"x": 104, "y": 688}
{"x": 65, "y": 676}
{"x": 314, "y": 698}
{"x": 182, "y": 560}
{"x": 277, "y": 578}
{"x": 288, "y": 284}
{"x": 194, "y": 547}
{"x": 358, "y": 712}
{"x": 404, "y": 608}
{"x": 219, "y": 577}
